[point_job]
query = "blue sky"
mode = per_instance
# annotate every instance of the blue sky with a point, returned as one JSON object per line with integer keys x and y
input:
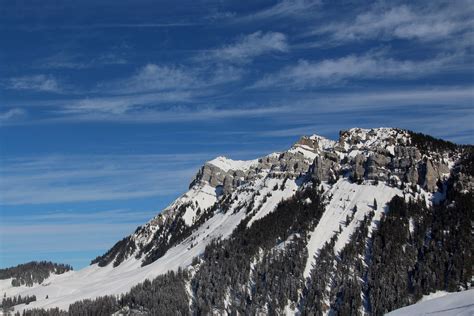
{"x": 108, "y": 108}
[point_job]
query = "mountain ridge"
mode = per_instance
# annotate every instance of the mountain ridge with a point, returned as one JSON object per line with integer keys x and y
{"x": 341, "y": 189}
{"x": 314, "y": 152}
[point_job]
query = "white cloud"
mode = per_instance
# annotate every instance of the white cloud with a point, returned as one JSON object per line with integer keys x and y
{"x": 63, "y": 60}
{"x": 173, "y": 114}
{"x": 309, "y": 74}
{"x": 117, "y": 105}
{"x": 248, "y": 47}
{"x": 12, "y": 114}
{"x": 284, "y": 8}
{"x": 69, "y": 216}
{"x": 431, "y": 21}
{"x": 42, "y": 83}
{"x": 43, "y": 233}
{"x": 441, "y": 112}
{"x": 296, "y": 131}
{"x": 75, "y": 178}
{"x": 150, "y": 87}
{"x": 221, "y": 15}
{"x": 225, "y": 73}
{"x": 154, "y": 77}
{"x": 174, "y": 83}
{"x": 54, "y": 179}
{"x": 287, "y": 108}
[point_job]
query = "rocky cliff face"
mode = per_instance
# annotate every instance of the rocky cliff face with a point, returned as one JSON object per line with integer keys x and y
{"x": 390, "y": 155}
{"x": 378, "y": 154}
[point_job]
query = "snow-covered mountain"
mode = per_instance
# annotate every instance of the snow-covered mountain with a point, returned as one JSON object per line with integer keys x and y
{"x": 304, "y": 231}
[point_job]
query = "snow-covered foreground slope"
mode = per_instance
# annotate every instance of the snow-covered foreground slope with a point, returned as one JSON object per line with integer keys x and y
{"x": 451, "y": 304}
{"x": 96, "y": 281}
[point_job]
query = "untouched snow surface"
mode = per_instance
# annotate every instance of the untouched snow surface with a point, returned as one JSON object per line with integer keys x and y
{"x": 227, "y": 164}
{"x": 451, "y": 304}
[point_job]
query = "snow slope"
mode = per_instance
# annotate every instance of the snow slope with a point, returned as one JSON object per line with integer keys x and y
{"x": 96, "y": 281}
{"x": 344, "y": 195}
{"x": 227, "y": 164}
{"x": 451, "y": 304}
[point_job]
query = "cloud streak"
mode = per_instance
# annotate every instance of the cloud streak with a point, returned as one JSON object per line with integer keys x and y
{"x": 154, "y": 77}
{"x": 282, "y": 9}
{"x": 359, "y": 67}
{"x": 83, "y": 178}
{"x": 40, "y": 83}
{"x": 248, "y": 47}
{"x": 426, "y": 22}
{"x": 12, "y": 114}
{"x": 60, "y": 179}
{"x": 110, "y": 216}
{"x": 119, "y": 105}
{"x": 76, "y": 62}
{"x": 146, "y": 109}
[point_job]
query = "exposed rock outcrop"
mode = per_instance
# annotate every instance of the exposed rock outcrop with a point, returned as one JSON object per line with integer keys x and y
{"x": 432, "y": 172}
{"x": 324, "y": 168}
{"x": 382, "y": 154}
{"x": 358, "y": 169}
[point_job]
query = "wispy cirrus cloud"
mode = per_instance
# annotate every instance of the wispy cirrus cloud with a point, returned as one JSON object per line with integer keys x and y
{"x": 74, "y": 61}
{"x": 454, "y": 128}
{"x": 76, "y": 178}
{"x": 181, "y": 113}
{"x": 153, "y": 77}
{"x": 40, "y": 83}
{"x": 144, "y": 109}
{"x": 427, "y": 22}
{"x": 59, "y": 237}
{"x": 280, "y": 9}
{"x": 284, "y": 8}
{"x": 180, "y": 81}
{"x": 248, "y": 47}
{"x": 123, "y": 104}
{"x": 96, "y": 216}
{"x": 50, "y": 179}
{"x": 69, "y": 242}
{"x": 12, "y": 114}
{"x": 77, "y": 235}
{"x": 306, "y": 73}
{"x": 441, "y": 112}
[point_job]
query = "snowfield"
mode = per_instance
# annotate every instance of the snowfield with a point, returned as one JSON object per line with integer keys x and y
{"x": 344, "y": 196}
{"x": 227, "y": 164}
{"x": 451, "y": 304}
{"x": 94, "y": 281}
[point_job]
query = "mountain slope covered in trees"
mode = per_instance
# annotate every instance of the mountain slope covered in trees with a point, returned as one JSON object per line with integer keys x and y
{"x": 32, "y": 272}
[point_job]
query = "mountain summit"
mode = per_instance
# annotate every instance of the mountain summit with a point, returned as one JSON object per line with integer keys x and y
{"x": 360, "y": 225}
